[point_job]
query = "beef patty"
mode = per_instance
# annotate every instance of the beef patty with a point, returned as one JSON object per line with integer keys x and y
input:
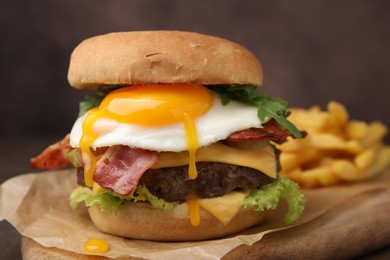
{"x": 214, "y": 179}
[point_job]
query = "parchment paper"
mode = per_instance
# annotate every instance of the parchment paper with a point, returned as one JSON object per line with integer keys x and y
{"x": 37, "y": 206}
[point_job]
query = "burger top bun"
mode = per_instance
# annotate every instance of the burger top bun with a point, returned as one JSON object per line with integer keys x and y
{"x": 144, "y": 57}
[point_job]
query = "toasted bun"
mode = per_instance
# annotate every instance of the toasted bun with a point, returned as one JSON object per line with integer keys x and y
{"x": 143, "y": 57}
{"x": 141, "y": 221}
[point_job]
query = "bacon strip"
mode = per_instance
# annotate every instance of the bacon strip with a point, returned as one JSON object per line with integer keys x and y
{"x": 53, "y": 157}
{"x": 271, "y": 130}
{"x": 120, "y": 168}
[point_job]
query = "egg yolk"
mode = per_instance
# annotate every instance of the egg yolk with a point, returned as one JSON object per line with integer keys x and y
{"x": 194, "y": 209}
{"x": 96, "y": 245}
{"x": 148, "y": 105}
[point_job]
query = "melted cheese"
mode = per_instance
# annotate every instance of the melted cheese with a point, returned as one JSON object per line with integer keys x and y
{"x": 262, "y": 159}
{"x": 97, "y": 188}
{"x": 224, "y": 208}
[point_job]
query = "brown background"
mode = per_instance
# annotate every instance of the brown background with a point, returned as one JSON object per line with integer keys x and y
{"x": 312, "y": 51}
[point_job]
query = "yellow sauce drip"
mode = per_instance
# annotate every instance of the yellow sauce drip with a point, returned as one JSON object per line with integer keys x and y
{"x": 96, "y": 245}
{"x": 194, "y": 210}
{"x": 87, "y": 139}
{"x": 192, "y": 144}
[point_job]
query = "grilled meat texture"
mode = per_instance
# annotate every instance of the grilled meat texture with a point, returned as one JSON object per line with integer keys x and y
{"x": 214, "y": 179}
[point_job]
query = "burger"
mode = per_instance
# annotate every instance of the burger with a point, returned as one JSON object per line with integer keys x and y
{"x": 176, "y": 144}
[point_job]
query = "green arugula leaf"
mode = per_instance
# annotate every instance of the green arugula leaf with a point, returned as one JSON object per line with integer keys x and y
{"x": 94, "y": 100}
{"x": 268, "y": 106}
{"x": 91, "y": 101}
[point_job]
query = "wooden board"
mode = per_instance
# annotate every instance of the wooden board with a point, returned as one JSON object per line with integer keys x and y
{"x": 354, "y": 227}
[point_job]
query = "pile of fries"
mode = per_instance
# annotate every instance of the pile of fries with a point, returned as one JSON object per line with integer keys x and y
{"x": 335, "y": 150}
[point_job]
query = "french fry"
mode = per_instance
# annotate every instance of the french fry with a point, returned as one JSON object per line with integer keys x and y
{"x": 375, "y": 133}
{"x": 333, "y": 142}
{"x": 338, "y": 113}
{"x": 366, "y": 158}
{"x": 319, "y": 176}
{"x": 356, "y": 130}
{"x": 336, "y": 149}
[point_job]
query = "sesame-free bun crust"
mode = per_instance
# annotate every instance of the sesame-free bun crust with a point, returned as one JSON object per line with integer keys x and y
{"x": 142, "y": 221}
{"x": 144, "y": 57}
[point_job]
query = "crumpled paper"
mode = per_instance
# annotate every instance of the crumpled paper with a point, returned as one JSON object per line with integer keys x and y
{"x": 37, "y": 206}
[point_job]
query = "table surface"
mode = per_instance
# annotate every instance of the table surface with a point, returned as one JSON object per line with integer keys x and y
{"x": 14, "y": 157}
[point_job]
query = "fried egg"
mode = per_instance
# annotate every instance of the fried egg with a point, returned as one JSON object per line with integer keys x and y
{"x": 161, "y": 117}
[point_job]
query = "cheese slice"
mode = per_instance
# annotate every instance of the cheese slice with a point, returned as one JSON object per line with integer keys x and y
{"x": 260, "y": 159}
{"x": 96, "y": 188}
{"x": 224, "y": 208}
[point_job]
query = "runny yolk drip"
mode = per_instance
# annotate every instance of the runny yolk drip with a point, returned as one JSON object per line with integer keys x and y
{"x": 148, "y": 105}
{"x": 194, "y": 210}
{"x": 192, "y": 144}
{"x": 96, "y": 245}
{"x": 88, "y": 138}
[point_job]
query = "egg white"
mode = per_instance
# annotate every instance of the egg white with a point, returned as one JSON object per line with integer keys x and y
{"x": 217, "y": 124}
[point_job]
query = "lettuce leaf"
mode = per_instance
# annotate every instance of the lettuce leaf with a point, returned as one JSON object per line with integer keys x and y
{"x": 73, "y": 158}
{"x": 268, "y": 197}
{"x": 108, "y": 201}
{"x": 265, "y": 198}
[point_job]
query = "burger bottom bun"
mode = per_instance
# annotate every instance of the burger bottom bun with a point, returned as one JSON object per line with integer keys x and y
{"x": 142, "y": 221}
